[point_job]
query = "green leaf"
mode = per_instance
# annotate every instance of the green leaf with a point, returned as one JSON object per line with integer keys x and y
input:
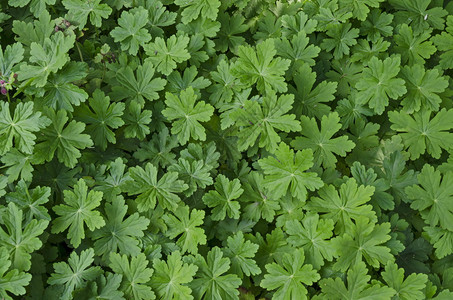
{"x": 79, "y": 11}
{"x": 139, "y": 87}
{"x": 75, "y": 273}
{"x": 165, "y": 54}
{"x": 357, "y": 287}
{"x": 65, "y": 139}
{"x": 150, "y": 190}
{"x": 185, "y": 223}
{"x": 286, "y": 170}
{"x": 158, "y": 150}
{"x": 359, "y": 8}
{"x": 259, "y": 121}
{"x": 18, "y": 130}
{"x": 136, "y": 121}
{"x": 241, "y": 253}
{"x": 363, "y": 240}
{"x": 310, "y": 98}
{"x": 119, "y": 232}
{"x": 406, "y": 289}
{"x": 261, "y": 67}
{"x": 211, "y": 281}
{"x": 414, "y": 48}
{"x": 104, "y": 287}
{"x": 261, "y": 205}
{"x": 344, "y": 206}
{"x": 421, "y": 134}
{"x": 9, "y": 58}
{"x": 60, "y": 92}
{"x": 194, "y": 8}
{"x": 222, "y": 199}
{"x": 378, "y": 24}
{"x": 378, "y": 83}
{"x": 290, "y": 276}
{"x": 12, "y": 281}
{"x": 195, "y": 174}
{"x": 170, "y": 277}
{"x": 441, "y": 239}
{"x": 312, "y": 236}
{"x": 341, "y": 37}
{"x": 20, "y": 239}
{"x": 130, "y": 32}
{"x": 136, "y": 275}
{"x": 321, "y": 142}
{"x": 19, "y": 165}
{"x": 101, "y": 117}
{"x": 423, "y": 87}
{"x": 47, "y": 58}
{"x": 444, "y": 42}
{"x": 297, "y": 50}
{"x": 187, "y": 114}
{"x": 37, "y": 7}
{"x": 77, "y": 212}
{"x": 433, "y": 197}
{"x": 30, "y": 201}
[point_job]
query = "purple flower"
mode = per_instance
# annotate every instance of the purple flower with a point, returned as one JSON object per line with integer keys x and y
{"x": 3, "y": 91}
{"x": 2, "y": 82}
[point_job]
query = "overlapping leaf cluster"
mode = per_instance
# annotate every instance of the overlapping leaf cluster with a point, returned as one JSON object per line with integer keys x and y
{"x": 207, "y": 149}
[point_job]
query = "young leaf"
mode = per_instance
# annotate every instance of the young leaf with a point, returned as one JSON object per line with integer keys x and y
{"x": 188, "y": 116}
{"x": 78, "y": 211}
{"x": 222, "y": 199}
{"x": 290, "y": 276}
{"x": 76, "y": 273}
{"x": 170, "y": 277}
{"x": 136, "y": 275}
{"x": 286, "y": 170}
{"x": 136, "y": 121}
{"x": 321, "y": 142}
{"x": 18, "y": 130}
{"x": 186, "y": 224}
{"x": 150, "y": 190}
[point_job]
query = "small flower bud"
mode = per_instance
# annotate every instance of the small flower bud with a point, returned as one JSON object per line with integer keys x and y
{"x": 2, "y": 82}
{"x": 3, "y": 91}
{"x": 57, "y": 28}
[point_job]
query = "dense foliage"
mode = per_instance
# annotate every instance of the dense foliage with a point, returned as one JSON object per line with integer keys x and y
{"x": 226, "y": 149}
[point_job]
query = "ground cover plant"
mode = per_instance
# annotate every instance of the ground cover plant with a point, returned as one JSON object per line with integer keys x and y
{"x": 234, "y": 149}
